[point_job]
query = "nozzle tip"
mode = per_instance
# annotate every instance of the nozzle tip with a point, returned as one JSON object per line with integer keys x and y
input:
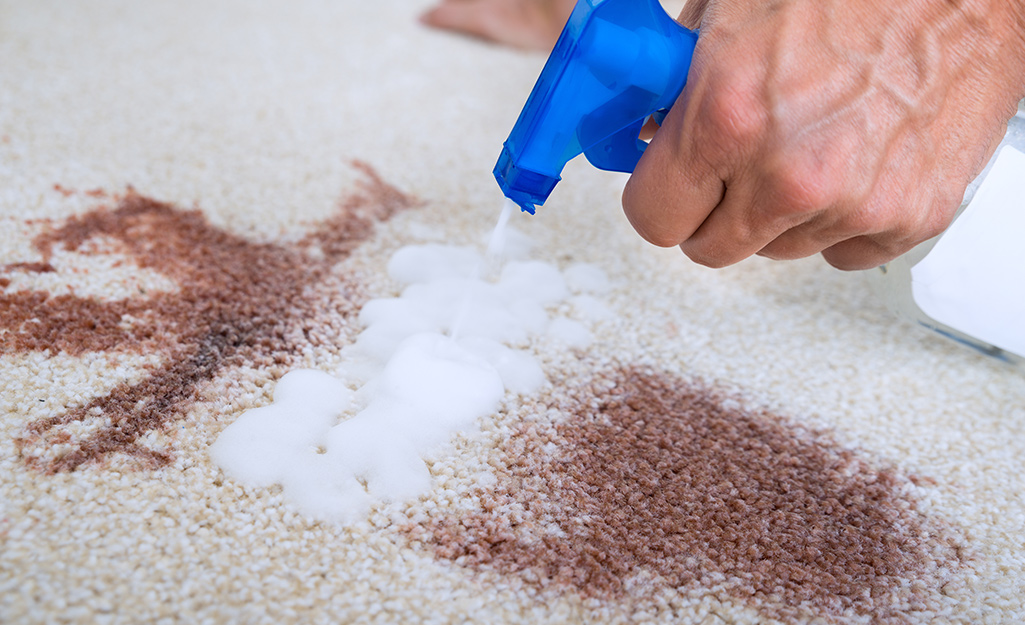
{"x": 527, "y": 188}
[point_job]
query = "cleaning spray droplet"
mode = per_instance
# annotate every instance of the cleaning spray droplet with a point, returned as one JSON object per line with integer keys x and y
{"x": 496, "y": 243}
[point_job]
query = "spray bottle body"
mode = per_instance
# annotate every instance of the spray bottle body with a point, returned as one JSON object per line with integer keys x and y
{"x": 968, "y": 283}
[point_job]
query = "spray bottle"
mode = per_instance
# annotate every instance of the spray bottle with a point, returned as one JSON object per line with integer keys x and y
{"x": 968, "y": 283}
{"x": 617, "y": 63}
{"x": 620, "y": 62}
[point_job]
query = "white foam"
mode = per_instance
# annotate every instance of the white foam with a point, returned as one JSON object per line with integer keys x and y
{"x": 263, "y": 443}
{"x": 533, "y": 280}
{"x": 430, "y": 388}
{"x": 519, "y": 371}
{"x": 425, "y": 263}
{"x": 587, "y": 278}
{"x": 591, "y": 308}
{"x": 429, "y": 363}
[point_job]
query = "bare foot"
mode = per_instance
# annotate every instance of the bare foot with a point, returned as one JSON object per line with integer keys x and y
{"x": 525, "y": 24}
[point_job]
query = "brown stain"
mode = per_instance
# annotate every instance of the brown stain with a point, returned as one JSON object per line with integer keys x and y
{"x": 661, "y": 476}
{"x": 32, "y": 267}
{"x": 93, "y": 193}
{"x": 238, "y": 302}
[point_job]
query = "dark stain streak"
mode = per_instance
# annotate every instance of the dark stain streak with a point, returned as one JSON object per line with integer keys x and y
{"x": 36, "y": 267}
{"x": 237, "y": 303}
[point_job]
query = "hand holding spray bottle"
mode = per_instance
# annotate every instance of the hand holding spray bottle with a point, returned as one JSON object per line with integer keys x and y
{"x": 620, "y": 62}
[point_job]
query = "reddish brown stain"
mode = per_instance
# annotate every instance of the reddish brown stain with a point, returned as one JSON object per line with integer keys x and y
{"x": 667, "y": 477}
{"x": 36, "y": 267}
{"x": 238, "y": 302}
{"x": 93, "y": 193}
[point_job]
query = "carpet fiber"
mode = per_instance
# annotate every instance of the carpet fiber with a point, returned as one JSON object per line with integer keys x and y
{"x": 198, "y": 198}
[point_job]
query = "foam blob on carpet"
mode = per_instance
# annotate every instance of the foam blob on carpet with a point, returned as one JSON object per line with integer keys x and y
{"x": 428, "y": 363}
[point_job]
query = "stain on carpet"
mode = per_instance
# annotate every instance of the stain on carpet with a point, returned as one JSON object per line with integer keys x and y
{"x": 237, "y": 302}
{"x": 653, "y": 482}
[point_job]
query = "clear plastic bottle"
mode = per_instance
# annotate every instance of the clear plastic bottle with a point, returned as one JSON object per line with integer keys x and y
{"x": 993, "y": 320}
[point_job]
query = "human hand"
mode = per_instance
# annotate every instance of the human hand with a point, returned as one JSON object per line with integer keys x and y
{"x": 846, "y": 127}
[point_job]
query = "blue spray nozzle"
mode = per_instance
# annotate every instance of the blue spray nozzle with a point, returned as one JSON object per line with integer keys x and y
{"x": 616, "y": 63}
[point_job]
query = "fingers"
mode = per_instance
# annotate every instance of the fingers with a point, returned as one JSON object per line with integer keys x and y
{"x": 665, "y": 202}
{"x": 869, "y": 233}
{"x": 860, "y": 253}
{"x": 893, "y": 238}
{"x": 693, "y": 170}
{"x": 802, "y": 241}
{"x": 739, "y": 227}
{"x": 677, "y": 183}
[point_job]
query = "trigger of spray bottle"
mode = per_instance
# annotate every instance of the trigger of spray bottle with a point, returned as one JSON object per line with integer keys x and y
{"x": 616, "y": 63}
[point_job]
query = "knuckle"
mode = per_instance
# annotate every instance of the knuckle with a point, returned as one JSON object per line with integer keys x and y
{"x": 937, "y": 218}
{"x": 934, "y": 224}
{"x": 881, "y": 212}
{"x": 802, "y": 187}
{"x": 733, "y": 111}
{"x": 867, "y": 219}
{"x": 896, "y": 224}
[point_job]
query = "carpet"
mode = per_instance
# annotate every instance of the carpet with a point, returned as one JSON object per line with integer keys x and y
{"x": 198, "y": 198}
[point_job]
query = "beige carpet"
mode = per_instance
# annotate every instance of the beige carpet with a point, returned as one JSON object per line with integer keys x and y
{"x": 196, "y": 198}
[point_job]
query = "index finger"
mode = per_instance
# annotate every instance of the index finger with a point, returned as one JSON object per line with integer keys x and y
{"x": 674, "y": 187}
